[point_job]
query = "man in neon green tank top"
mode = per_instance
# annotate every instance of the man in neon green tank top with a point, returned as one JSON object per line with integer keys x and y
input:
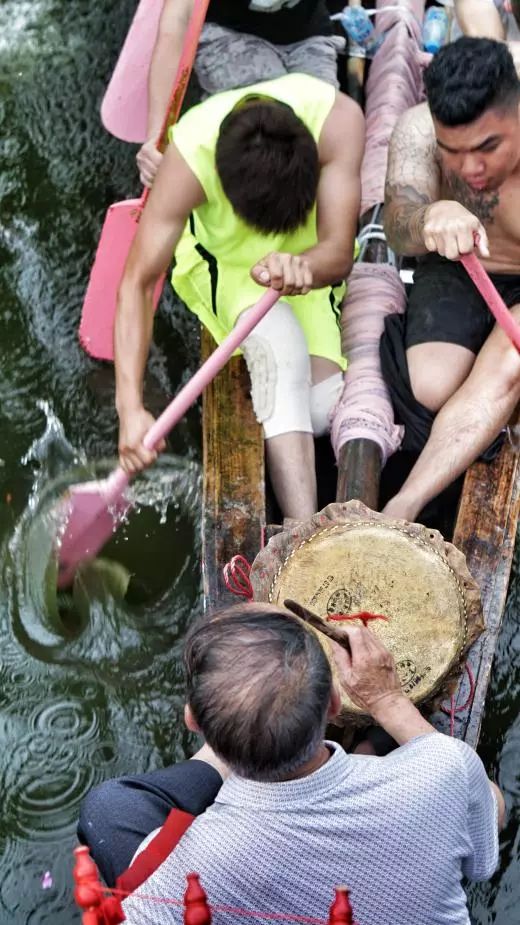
{"x": 259, "y": 187}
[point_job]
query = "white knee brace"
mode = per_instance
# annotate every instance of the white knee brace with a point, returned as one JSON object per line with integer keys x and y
{"x": 324, "y": 396}
{"x": 279, "y": 365}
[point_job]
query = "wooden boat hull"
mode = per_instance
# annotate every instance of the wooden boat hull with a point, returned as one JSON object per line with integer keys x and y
{"x": 234, "y": 518}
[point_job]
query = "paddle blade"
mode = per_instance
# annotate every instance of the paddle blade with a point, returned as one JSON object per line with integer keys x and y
{"x": 89, "y": 520}
{"x": 124, "y": 110}
{"x": 96, "y": 331}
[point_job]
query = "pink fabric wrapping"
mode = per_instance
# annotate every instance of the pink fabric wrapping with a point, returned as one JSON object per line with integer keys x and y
{"x": 364, "y": 410}
{"x": 394, "y": 84}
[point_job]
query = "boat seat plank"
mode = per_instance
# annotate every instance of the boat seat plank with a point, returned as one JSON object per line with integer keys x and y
{"x": 233, "y": 515}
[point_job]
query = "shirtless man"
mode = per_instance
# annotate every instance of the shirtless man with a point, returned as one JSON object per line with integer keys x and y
{"x": 454, "y": 174}
{"x": 258, "y": 187}
{"x": 242, "y": 42}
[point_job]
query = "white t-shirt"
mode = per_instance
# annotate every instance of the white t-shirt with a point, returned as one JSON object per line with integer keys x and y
{"x": 400, "y": 832}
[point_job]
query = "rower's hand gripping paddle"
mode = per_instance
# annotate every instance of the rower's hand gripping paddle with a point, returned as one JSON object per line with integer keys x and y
{"x": 91, "y": 512}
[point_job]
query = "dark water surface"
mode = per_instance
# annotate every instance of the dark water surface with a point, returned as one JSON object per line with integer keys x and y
{"x": 92, "y": 688}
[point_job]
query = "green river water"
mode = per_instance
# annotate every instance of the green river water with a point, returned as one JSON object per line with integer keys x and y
{"x": 98, "y": 692}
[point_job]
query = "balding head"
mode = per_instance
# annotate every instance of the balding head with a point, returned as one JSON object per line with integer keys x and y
{"x": 259, "y": 688}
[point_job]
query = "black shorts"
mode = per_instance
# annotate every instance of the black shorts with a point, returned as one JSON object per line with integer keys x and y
{"x": 445, "y": 305}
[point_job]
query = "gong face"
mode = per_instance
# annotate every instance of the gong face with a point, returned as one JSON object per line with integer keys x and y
{"x": 383, "y": 569}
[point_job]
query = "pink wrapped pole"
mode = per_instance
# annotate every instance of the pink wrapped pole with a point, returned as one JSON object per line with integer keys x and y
{"x": 394, "y": 84}
{"x": 363, "y": 432}
{"x": 364, "y": 410}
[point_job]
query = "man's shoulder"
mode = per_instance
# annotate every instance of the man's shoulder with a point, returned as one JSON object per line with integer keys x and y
{"x": 416, "y": 119}
{"x": 343, "y": 130}
{"x": 435, "y": 747}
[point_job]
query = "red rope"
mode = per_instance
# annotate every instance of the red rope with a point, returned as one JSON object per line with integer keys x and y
{"x": 452, "y": 710}
{"x": 236, "y": 577}
{"x": 231, "y": 910}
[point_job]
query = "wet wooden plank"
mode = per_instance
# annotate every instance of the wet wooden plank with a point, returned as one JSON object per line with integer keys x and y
{"x": 485, "y": 531}
{"x": 233, "y": 505}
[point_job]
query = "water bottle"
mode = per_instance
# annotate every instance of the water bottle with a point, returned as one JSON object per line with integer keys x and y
{"x": 360, "y": 30}
{"x": 435, "y": 29}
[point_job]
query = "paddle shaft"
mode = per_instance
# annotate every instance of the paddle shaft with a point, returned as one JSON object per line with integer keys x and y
{"x": 492, "y": 297}
{"x": 182, "y": 76}
{"x": 191, "y": 391}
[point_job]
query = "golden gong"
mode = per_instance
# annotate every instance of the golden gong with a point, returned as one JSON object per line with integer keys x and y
{"x": 348, "y": 559}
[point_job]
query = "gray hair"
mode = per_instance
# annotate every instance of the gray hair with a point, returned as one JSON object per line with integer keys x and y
{"x": 259, "y": 687}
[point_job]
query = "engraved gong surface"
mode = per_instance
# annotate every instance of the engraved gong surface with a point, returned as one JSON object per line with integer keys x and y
{"x": 373, "y": 567}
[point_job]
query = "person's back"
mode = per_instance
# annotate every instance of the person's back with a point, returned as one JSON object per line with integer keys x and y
{"x": 299, "y": 817}
{"x": 396, "y": 831}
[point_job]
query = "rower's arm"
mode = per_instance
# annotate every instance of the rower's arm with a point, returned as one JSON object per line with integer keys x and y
{"x": 165, "y": 59}
{"x": 175, "y": 193}
{"x": 339, "y": 192}
{"x": 480, "y": 19}
{"x": 412, "y": 181}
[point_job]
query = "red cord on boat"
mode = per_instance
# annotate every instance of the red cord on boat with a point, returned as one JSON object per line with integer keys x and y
{"x": 452, "y": 710}
{"x": 236, "y": 577}
{"x": 364, "y": 616}
{"x": 101, "y": 905}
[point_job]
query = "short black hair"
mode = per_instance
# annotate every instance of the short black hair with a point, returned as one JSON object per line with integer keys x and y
{"x": 259, "y": 687}
{"x": 268, "y": 164}
{"x": 468, "y": 77}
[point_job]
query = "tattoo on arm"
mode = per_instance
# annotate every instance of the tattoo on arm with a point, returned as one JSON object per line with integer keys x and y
{"x": 412, "y": 181}
{"x": 405, "y": 210}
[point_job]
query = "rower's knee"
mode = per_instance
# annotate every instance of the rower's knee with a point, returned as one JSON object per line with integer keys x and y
{"x": 279, "y": 366}
{"x": 507, "y": 375}
{"x": 100, "y": 813}
{"x": 436, "y": 371}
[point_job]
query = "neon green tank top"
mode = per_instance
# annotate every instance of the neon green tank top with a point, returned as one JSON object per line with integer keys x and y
{"x": 218, "y": 229}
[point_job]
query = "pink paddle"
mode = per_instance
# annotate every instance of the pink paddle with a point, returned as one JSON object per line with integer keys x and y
{"x": 124, "y": 110}
{"x": 96, "y": 331}
{"x": 492, "y": 297}
{"x": 92, "y": 511}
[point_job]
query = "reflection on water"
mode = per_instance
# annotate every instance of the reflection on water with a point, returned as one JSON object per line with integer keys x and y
{"x": 90, "y": 681}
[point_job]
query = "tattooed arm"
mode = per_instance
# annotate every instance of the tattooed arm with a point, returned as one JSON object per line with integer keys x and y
{"x": 412, "y": 181}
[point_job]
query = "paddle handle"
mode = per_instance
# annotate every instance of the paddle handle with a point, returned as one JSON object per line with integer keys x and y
{"x": 182, "y": 76}
{"x": 196, "y": 385}
{"x": 492, "y": 297}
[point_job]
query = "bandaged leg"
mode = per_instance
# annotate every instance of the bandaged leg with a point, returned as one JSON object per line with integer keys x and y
{"x": 279, "y": 365}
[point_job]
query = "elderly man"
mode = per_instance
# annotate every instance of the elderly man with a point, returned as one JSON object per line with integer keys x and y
{"x": 297, "y": 815}
{"x": 242, "y": 42}
{"x": 259, "y": 187}
{"x": 453, "y": 186}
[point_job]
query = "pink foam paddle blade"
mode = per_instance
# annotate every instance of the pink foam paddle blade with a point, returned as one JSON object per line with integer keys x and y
{"x": 492, "y": 297}
{"x": 124, "y": 110}
{"x": 91, "y": 512}
{"x": 96, "y": 330}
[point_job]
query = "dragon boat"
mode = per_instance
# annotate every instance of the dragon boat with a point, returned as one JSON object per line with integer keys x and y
{"x": 479, "y": 513}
